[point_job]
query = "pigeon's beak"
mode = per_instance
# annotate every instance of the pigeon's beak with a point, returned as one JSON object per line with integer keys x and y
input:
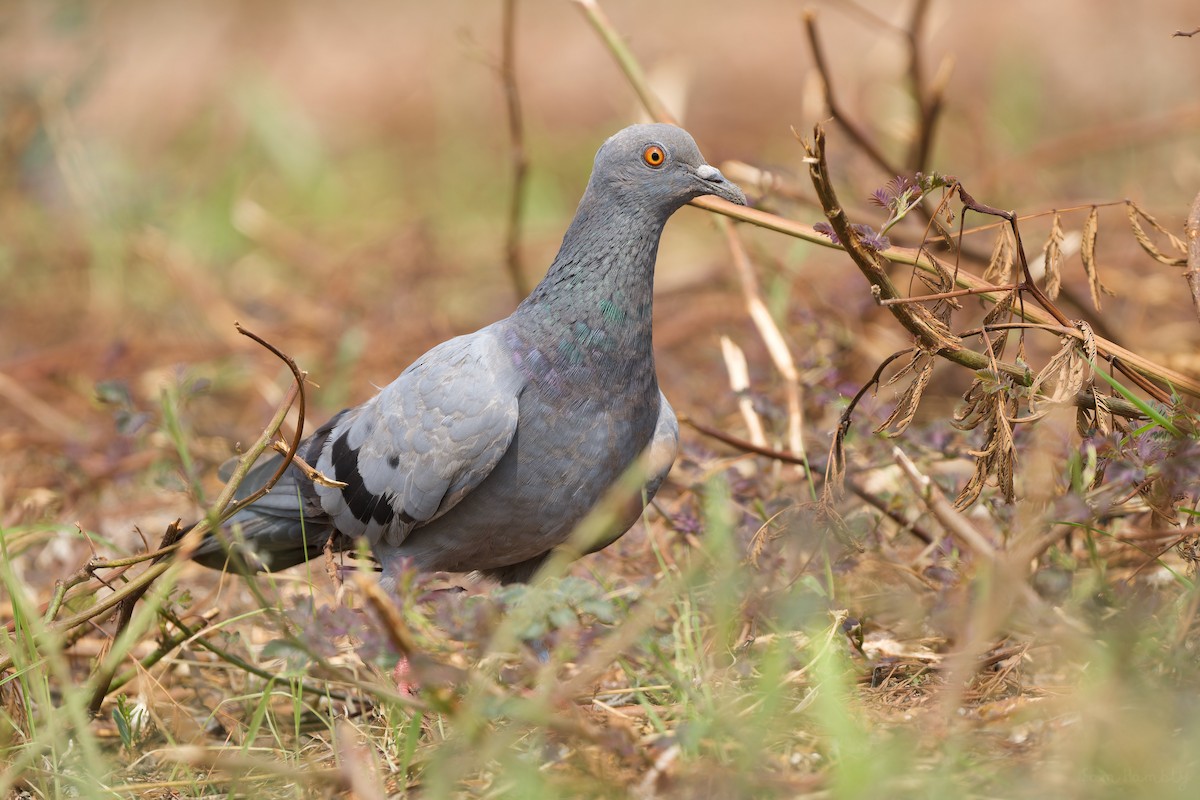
{"x": 713, "y": 182}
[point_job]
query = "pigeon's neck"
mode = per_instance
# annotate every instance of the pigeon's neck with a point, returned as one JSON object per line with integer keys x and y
{"x": 608, "y": 253}
{"x": 595, "y": 305}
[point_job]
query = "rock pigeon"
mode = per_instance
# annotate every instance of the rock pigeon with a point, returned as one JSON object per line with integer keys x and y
{"x": 489, "y": 449}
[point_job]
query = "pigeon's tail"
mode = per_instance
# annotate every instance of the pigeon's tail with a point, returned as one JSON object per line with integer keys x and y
{"x": 284, "y": 527}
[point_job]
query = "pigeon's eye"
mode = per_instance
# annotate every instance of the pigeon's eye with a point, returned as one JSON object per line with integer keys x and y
{"x": 654, "y": 155}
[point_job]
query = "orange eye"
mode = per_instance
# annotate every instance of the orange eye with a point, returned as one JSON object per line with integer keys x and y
{"x": 654, "y": 155}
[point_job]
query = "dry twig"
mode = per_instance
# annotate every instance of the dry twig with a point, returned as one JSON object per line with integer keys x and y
{"x": 520, "y": 159}
{"x": 161, "y": 565}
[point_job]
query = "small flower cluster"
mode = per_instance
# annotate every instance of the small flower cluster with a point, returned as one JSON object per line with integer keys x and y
{"x": 899, "y": 196}
{"x": 865, "y": 233}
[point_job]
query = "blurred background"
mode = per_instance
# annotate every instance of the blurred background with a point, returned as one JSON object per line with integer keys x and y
{"x": 336, "y": 177}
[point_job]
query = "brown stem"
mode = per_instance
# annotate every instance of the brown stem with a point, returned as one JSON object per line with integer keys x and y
{"x": 929, "y": 102}
{"x": 835, "y": 109}
{"x": 103, "y": 677}
{"x": 786, "y": 456}
{"x": 947, "y": 295}
{"x": 625, "y": 60}
{"x": 520, "y": 159}
{"x": 1032, "y": 288}
{"x": 887, "y": 509}
{"x": 127, "y": 595}
{"x": 931, "y": 334}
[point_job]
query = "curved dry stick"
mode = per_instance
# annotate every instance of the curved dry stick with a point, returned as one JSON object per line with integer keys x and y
{"x": 138, "y": 585}
{"x": 86, "y": 573}
{"x": 298, "y": 375}
{"x": 175, "y": 539}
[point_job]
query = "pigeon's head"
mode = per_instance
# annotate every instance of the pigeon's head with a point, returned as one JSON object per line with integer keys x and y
{"x": 659, "y": 168}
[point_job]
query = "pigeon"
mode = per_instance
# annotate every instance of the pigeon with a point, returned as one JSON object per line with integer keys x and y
{"x": 486, "y": 452}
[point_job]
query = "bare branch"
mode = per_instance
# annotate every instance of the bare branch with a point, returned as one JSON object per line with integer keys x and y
{"x": 835, "y": 109}
{"x": 520, "y": 159}
{"x": 951, "y": 519}
{"x": 625, "y": 60}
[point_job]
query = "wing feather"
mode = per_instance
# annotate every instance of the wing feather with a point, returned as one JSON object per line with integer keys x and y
{"x": 424, "y": 442}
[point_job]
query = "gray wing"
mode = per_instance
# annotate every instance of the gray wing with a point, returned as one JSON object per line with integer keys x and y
{"x": 418, "y": 447}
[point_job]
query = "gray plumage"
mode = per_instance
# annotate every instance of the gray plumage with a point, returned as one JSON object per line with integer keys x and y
{"x": 489, "y": 449}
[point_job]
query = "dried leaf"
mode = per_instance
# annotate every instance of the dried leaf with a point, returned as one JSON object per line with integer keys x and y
{"x": 1090, "y": 422}
{"x": 944, "y": 282}
{"x": 943, "y": 216}
{"x": 906, "y": 407}
{"x": 1004, "y": 461}
{"x": 1087, "y": 421}
{"x": 1002, "y": 308}
{"x": 1052, "y": 258}
{"x": 941, "y": 280}
{"x": 1104, "y": 417}
{"x": 908, "y": 367}
{"x": 767, "y": 533}
{"x": 1087, "y": 253}
{"x": 938, "y": 334}
{"x": 999, "y": 268}
{"x": 1084, "y": 421}
{"x": 998, "y": 457}
{"x": 969, "y": 416}
{"x": 1089, "y": 340}
{"x": 1065, "y": 374}
{"x": 1140, "y": 234}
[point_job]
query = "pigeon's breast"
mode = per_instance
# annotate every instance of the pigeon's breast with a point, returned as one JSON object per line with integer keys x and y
{"x": 572, "y": 443}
